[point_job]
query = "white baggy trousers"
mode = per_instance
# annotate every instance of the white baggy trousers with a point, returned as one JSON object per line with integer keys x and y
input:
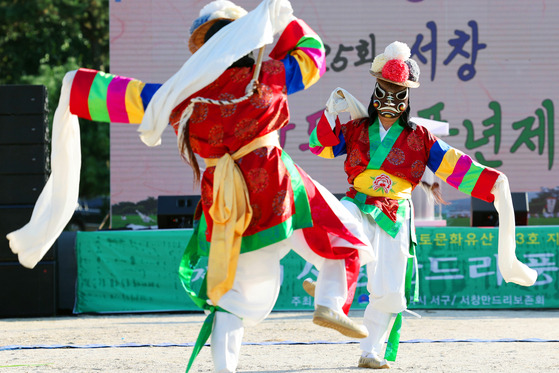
{"x": 386, "y": 278}
{"x": 258, "y": 280}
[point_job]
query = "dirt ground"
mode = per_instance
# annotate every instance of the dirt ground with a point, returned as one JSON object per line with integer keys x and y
{"x": 440, "y": 341}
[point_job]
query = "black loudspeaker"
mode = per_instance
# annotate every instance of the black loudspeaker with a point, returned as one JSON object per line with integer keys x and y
{"x": 23, "y": 174}
{"x": 67, "y": 271}
{"x": 12, "y": 218}
{"x": 23, "y": 129}
{"x": 21, "y": 189}
{"x": 27, "y": 292}
{"x": 23, "y": 159}
{"x": 483, "y": 214}
{"x": 176, "y": 211}
{"x": 23, "y": 99}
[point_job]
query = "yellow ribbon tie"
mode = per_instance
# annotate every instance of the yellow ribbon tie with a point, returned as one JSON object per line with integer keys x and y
{"x": 231, "y": 214}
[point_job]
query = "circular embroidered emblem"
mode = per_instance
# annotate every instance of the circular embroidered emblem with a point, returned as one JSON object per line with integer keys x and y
{"x": 354, "y": 158}
{"x": 215, "y": 137}
{"x": 263, "y": 99}
{"x": 256, "y": 215}
{"x": 382, "y": 182}
{"x": 414, "y": 142}
{"x": 227, "y": 110}
{"x": 279, "y": 202}
{"x": 258, "y": 180}
{"x": 199, "y": 113}
{"x": 246, "y": 129}
{"x": 272, "y": 67}
{"x": 417, "y": 169}
{"x": 396, "y": 156}
{"x": 364, "y": 137}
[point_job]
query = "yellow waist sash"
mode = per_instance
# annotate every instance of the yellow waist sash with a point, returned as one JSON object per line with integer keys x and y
{"x": 231, "y": 214}
{"x": 378, "y": 183}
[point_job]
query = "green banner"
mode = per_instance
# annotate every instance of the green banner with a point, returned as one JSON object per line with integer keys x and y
{"x": 458, "y": 268}
{"x": 136, "y": 271}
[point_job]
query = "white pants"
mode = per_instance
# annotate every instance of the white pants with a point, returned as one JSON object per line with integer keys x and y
{"x": 255, "y": 291}
{"x": 386, "y": 278}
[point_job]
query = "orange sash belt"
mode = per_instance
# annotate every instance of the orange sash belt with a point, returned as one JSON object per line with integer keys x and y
{"x": 231, "y": 214}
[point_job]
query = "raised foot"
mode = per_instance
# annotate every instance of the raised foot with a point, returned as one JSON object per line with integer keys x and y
{"x": 328, "y": 318}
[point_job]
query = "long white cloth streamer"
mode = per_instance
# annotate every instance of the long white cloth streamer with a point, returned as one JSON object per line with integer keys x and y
{"x": 511, "y": 268}
{"x": 58, "y": 200}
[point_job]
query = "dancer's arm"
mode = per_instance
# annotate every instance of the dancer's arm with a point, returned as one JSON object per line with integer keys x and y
{"x": 327, "y": 139}
{"x": 460, "y": 171}
{"x": 302, "y": 53}
{"x": 103, "y": 97}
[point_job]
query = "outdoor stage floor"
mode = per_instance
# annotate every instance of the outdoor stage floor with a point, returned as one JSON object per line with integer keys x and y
{"x": 441, "y": 341}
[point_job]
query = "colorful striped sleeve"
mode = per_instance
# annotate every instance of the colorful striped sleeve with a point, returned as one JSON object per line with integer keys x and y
{"x": 326, "y": 142}
{"x": 103, "y": 97}
{"x": 460, "y": 171}
{"x": 302, "y": 52}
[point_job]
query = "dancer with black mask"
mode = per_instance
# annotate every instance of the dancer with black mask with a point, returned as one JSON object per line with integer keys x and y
{"x": 386, "y": 156}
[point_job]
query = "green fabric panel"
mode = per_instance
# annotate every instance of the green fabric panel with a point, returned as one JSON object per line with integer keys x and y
{"x": 203, "y": 337}
{"x": 203, "y": 245}
{"x": 189, "y": 261}
{"x": 379, "y": 149}
{"x": 97, "y": 100}
{"x": 374, "y": 140}
{"x": 470, "y": 179}
{"x": 313, "y": 140}
{"x": 268, "y": 236}
{"x": 309, "y": 42}
{"x": 303, "y": 217}
{"x": 394, "y": 339}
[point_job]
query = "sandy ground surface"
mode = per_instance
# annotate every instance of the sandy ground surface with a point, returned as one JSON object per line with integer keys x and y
{"x": 154, "y": 331}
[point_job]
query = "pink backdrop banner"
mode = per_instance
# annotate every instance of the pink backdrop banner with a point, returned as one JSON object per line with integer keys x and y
{"x": 488, "y": 68}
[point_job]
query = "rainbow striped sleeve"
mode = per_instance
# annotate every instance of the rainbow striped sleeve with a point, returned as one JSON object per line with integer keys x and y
{"x": 460, "y": 171}
{"x": 103, "y": 97}
{"x": 302, "y": 52}
{"x": 324, "y": 141}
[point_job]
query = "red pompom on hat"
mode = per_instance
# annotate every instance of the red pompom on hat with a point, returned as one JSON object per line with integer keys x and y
{"x": 394, "y": 65}
{"x": 396, "y": 71}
